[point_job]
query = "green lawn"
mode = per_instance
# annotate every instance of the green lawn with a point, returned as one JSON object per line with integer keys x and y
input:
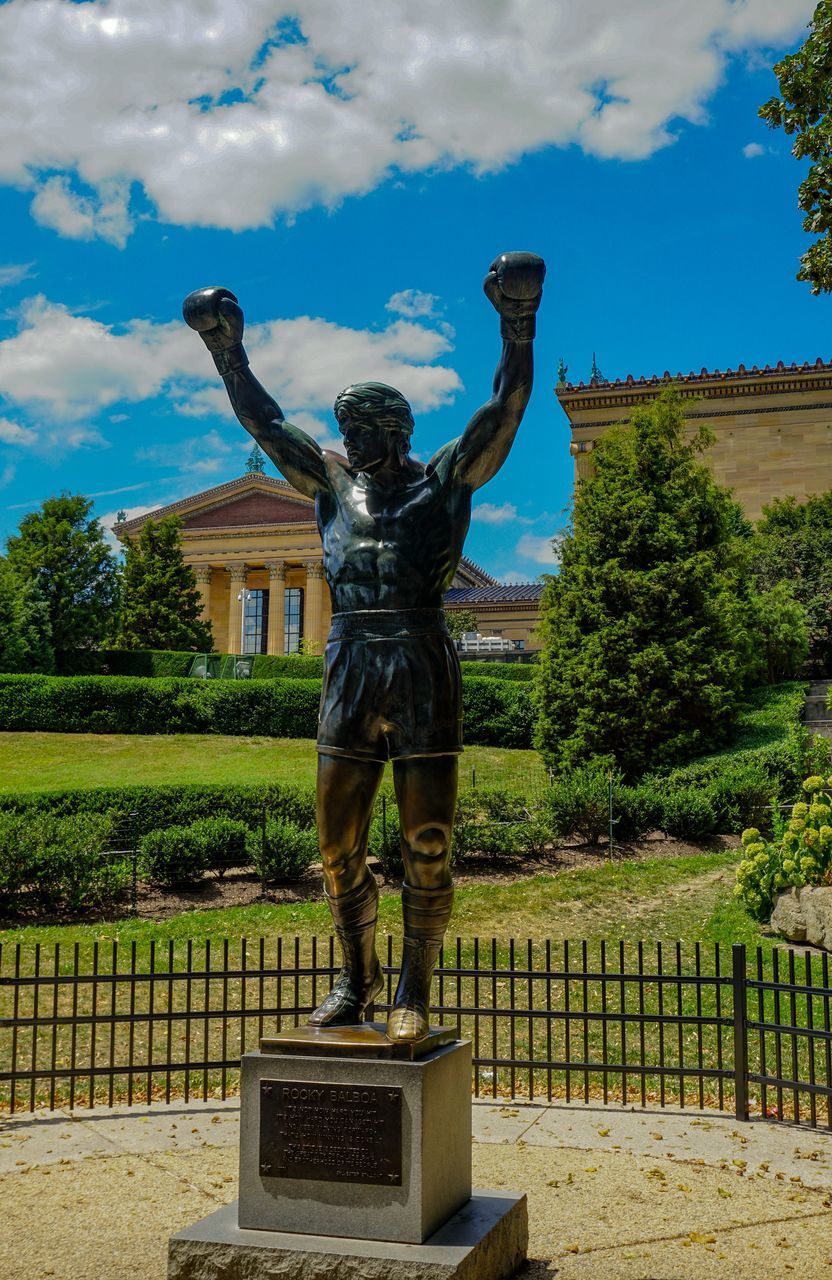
{"x": 50, "y": 761}
{"x": 661, "y": 899}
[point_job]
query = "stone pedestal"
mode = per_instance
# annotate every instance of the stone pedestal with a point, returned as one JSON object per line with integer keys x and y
{"x": 376, "y": 1150}
{"x": 355, "y": 1163}
{"x": 486, "y": 1240}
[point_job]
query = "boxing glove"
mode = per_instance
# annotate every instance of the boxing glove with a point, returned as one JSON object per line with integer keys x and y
{"x": 218, "y": 319}
{"x": 514, "y": 287}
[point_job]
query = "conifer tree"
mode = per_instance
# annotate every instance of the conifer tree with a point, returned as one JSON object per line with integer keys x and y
{"x": 161, "y": 606}
{"x": 60, "y": 553}
{"x": 25, "y": 638}
{"x": 646, "y": 643}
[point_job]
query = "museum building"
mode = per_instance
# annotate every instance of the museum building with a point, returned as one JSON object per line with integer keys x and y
{"x": 256, "y": 552}
{"x": 773, "y": 426}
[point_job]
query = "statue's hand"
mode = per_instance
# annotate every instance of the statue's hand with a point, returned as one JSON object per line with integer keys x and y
{"x": 514, "y": 285}
{"x": 216, "y": 316}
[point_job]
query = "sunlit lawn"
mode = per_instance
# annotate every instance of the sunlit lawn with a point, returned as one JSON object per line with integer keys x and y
{"x": 47, "y": 761}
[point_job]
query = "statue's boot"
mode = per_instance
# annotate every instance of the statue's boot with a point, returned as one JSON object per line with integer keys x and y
{"x": 426, "y": 914}
{"x": 360, "y": 980}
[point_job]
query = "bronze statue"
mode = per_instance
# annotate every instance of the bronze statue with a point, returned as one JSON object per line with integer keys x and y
{"x": 392, "y": 532}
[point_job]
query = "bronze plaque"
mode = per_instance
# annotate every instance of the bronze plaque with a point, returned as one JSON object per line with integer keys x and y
{"x": 331, "y": 1132}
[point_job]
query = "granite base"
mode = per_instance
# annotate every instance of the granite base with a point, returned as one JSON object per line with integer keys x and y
{"x": 485, "y": 1240}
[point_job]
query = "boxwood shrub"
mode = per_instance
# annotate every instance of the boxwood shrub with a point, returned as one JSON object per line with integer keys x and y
{"x": 496, "y": 712}
{"x": 172, "y": 805}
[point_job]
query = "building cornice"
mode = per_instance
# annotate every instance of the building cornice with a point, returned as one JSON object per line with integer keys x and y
{"x": 733, "y": 384}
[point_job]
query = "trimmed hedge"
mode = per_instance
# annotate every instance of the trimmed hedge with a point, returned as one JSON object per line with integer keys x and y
{"x": 497, "y": 713}
{"x": 158, "y": 663}
{"x": 174, "y": 805}
{"x": 521, "y": 671}
{"x": 129, "y": 662}
{"x": 60, "y": 862}
{"x": 118, "y": 704}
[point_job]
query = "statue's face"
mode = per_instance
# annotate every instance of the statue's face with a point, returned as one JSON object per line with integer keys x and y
{"x": 367, "y": 445}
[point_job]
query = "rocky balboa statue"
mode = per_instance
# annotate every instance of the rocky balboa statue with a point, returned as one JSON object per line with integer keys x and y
{"x": 392, "y": 532}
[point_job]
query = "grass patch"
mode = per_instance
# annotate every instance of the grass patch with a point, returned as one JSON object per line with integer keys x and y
{"x": 52, "y": 761}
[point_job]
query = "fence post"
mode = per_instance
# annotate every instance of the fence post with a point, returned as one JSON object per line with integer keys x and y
{"x": 134, "y": 865}
{"x": 263, "y": 852}
{"x": 739, "y": 989}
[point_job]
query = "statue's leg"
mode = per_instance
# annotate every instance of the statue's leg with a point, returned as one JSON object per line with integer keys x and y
{"x": 346, "y": 792}
{"x": 426, "y": 796}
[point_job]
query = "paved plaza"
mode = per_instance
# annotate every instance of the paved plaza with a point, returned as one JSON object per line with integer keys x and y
{"x": 629, "y": 1195}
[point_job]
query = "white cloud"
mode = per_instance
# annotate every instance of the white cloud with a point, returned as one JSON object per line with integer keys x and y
{"x": 15, "y": 273}
{"x": 76, "y": 366}
{"x": 226, "y": 118}
{"x": 488, "y": 513}
{"x": 13, "y": 433}
{"x": 530, "y": 547}
{"x": 103, "y": 215}
{"x": 753, "y": 149}
{"x": 413, "y": 304}
{"x": 7, "y": 475}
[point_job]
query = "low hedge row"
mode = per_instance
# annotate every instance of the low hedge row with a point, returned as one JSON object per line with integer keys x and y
{"x": 496, "y": 713}
{"x": 177, "y": 663}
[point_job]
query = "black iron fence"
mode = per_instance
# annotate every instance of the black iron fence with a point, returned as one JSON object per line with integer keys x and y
{"x": 640, "y": 1024}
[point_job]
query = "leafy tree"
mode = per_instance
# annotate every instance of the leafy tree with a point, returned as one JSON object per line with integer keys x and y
{"x": 779, "y": 630}
{"x": 804, "y": 109}
{"x": 459, "y": 621}
{"x": 161, "y": 606}
{"x": 793, "y": 545}
{"x": 60, "y": 554}
{"x": 25, "y": 643}
{"x": 646, "y": 648}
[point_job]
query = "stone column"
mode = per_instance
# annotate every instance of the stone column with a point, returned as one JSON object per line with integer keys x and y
{"x": 202, "y": 573}
{"x": 313, "y": 605}
{"x": 277, "y": 606}
{"x": 237, "y": 573}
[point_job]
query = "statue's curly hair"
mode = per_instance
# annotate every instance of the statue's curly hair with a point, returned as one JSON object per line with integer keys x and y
{"x": 377, "y": 404}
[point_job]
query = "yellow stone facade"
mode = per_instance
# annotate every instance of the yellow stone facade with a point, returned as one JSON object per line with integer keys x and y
{"x": 773, "y": 426}
{"x": 257, "y": 533}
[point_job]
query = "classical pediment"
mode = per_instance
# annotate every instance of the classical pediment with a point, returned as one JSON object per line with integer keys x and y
{"x": 256, "y": 508}
{"x": 252, "y": 500}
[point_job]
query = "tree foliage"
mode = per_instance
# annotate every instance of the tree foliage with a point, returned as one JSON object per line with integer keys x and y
{"x": 792, "y": 545}
{"x": 459, "y": 621}
{"x": 804, "y": 109}
{"x": 646, "y": 647}
{"x": 62, "y": 560}
{"x": 161, "y": 607}
{"x": 25, "y": 638}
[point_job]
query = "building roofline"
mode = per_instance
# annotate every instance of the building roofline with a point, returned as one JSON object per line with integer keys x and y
{"x": 252, "y": 479}
{"x": 567, "y": 390}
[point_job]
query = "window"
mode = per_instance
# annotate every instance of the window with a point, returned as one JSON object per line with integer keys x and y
{"x": 293, "y": 625}
{"x": 255, "y": 621}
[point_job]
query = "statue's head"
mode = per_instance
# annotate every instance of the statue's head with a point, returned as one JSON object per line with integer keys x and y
{"x": 369, "y": 414}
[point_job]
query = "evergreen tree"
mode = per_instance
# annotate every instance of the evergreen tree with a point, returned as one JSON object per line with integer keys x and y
{"x": 60, "y": 554}
{"x": 161, "y": 606}
{"x": 646, "y": 647}
{"x": 25, "y": 642}
{"x": 793, "y": 545}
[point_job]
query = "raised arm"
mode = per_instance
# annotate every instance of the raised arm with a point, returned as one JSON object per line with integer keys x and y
{"x": 218, "y": 319}
{"x": 514, "y": 286}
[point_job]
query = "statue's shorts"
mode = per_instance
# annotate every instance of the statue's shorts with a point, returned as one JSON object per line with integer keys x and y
{"x": 392, "y": 687}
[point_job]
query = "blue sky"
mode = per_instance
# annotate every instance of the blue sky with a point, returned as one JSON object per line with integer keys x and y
{"x": 350, "y": 172}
